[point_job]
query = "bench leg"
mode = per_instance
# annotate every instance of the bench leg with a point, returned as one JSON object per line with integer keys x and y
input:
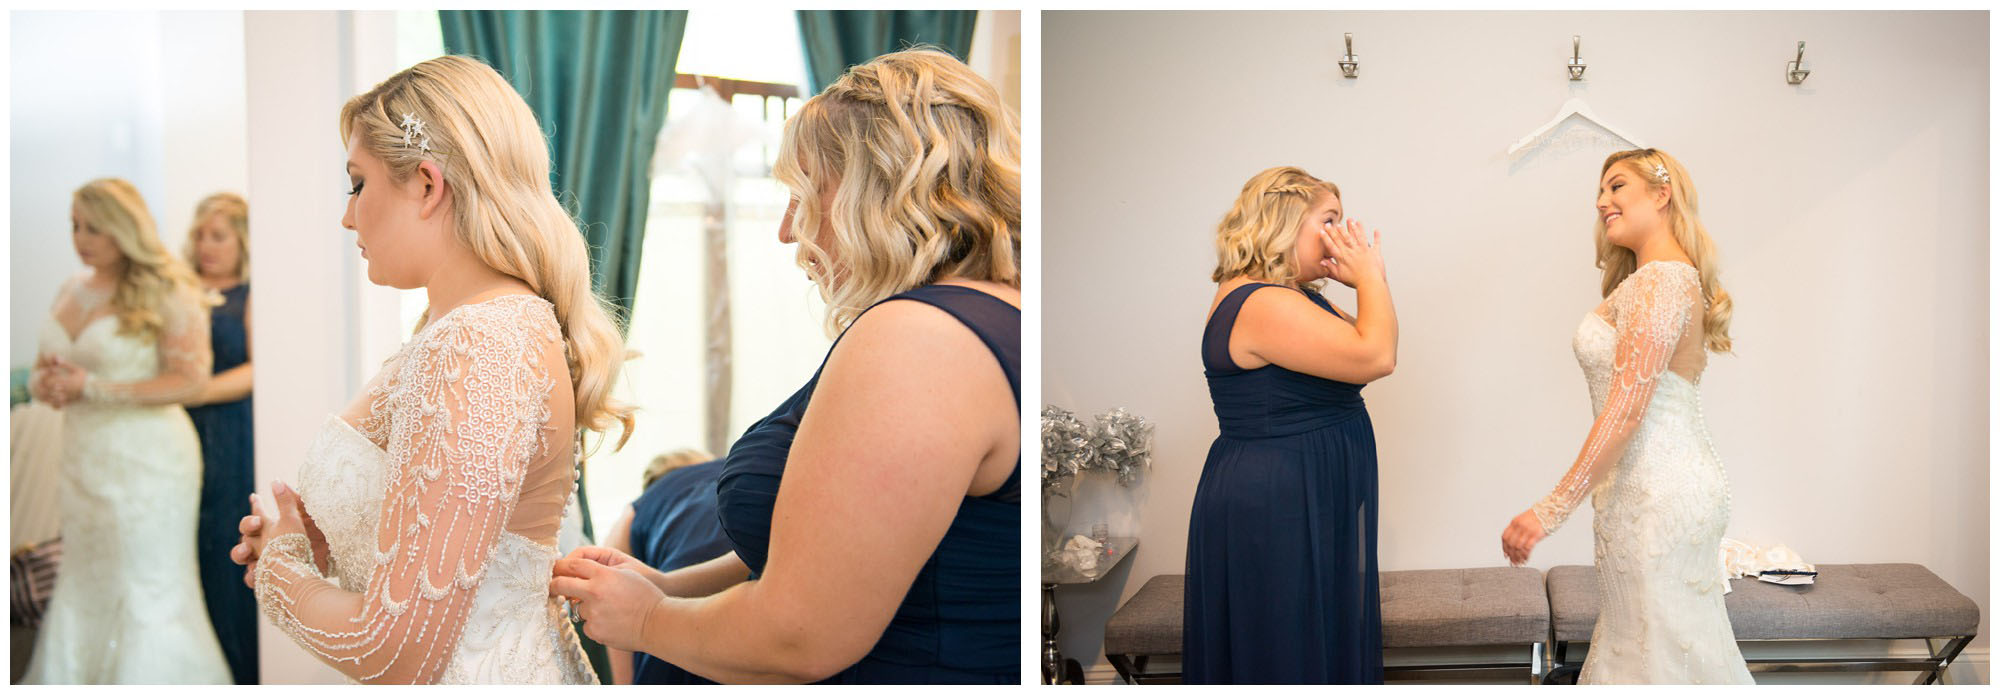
{"x": 1125, "y": 667}
{"x": 1535, "y": 664}
{"x": 1943, "y": 657}
{"x": 1560, "y": 671}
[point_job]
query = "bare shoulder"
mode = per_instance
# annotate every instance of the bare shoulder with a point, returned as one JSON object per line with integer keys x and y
{"x": 1277, "y": 307}
{"x": 914, "y": 362}
{"x": 907, "y": 336}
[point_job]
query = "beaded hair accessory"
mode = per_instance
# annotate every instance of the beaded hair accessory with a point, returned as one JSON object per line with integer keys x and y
{"x": 413, "y": 133}
{"x": 1660, "y": 172}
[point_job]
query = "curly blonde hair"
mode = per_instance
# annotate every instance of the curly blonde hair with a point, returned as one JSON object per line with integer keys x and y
{"x": 672, "y": 461}
{"x": 233, "y": 210}
{"x": 1684, "y": 222}
{"x": 151, "y": 276}
{"x": 1257, "y": 236}
{"x": 488, "y": 146}
{"x": 925, "y": 162}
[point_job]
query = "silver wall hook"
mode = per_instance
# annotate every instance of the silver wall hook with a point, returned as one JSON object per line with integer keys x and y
{"x": 1576, "y": 58}
{"x": 1795, "y": 71}
{"x": 1350, "y": 66}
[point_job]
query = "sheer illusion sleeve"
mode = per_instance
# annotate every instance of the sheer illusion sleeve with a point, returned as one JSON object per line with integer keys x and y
{"x": 465, "y": 422}
{"x": 1651, "y": 315}
{"x": 184, "y": 358}
{"x": 65, "y": 299}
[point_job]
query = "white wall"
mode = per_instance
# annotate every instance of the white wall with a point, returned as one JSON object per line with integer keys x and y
{"x": 152, "y": 97}
{"x": 1851, "y": 212}
{"x": 321, "y": 328}
{"x": 996, "y": 52}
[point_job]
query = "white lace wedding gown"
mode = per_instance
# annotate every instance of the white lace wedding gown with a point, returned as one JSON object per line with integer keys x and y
{"x": 441, "y": 507}
{"x": 127, "y": 605}
{"x": 1661, "y": 499}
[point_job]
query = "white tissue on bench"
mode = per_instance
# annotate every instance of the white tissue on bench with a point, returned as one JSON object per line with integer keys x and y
{"x": 1740, "y": 559}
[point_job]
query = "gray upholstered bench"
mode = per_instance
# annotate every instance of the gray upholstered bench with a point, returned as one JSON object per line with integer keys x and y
{"x": 1495, "y": 606}
{"x": 1482, "y": 607}
{"x": 1148, "y": 625}
{"x": 1846, "y": 602}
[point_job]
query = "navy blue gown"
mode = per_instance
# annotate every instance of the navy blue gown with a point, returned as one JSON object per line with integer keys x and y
{"x": 1281, "y": 574}
{"x": 960, "y": 622}
{"x": 674, "y": 525}
{"x": 227, "y": 478}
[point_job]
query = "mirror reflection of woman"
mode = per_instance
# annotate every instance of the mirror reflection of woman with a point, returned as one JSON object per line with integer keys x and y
{"x": 876, "y": 513}
{"x": 125, "y": 344}
{"x": 1282, "y": 581}
{"x": 218, "y": 248}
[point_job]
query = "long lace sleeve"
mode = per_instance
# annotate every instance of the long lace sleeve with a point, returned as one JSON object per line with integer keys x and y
{"x": 185, "y": 358}
{"x": 66, "y": 298}
{"x": 1651, "y": 316}
{"x": 465, "y": 421}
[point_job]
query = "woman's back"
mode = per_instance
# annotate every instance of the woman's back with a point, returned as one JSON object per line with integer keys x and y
{"x": 959, "y": 621}
{"x": 441, "y": 504}
{"x": 1270, "y": 400}
{"x": 1281, "y": 584}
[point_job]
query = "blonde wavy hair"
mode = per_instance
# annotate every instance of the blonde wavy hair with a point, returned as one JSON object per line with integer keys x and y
{"x": 1258, "y": 235}
{"x": 672, "y": 461}
{"x": 925, "y": 163}
{"x": 1684, "y": 222}
{"x": 488, "y": 146}
{"x": 151, "y": 276}
{"x": 236, "y": 212}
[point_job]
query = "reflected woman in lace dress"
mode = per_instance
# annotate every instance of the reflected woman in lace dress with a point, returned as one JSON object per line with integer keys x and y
{"x": 875, "y": 515}
{"x": 419, "y": 543}
{"x": 1658, "y": 490}
{"x": 125, "y": 344}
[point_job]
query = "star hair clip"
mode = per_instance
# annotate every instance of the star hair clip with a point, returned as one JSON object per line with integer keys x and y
{"x": 413, "y": 133}
{"x": 1660, "y": 172}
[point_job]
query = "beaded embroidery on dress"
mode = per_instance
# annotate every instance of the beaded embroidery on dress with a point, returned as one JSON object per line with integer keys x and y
{"x": 416, "y": 502}
{"x": 1660, "y": 500}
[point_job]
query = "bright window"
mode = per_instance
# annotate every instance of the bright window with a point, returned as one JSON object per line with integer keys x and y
{"x": 775, "y": 312}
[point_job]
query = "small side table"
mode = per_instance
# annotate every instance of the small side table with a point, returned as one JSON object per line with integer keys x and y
{"x": 1057, "y": 669}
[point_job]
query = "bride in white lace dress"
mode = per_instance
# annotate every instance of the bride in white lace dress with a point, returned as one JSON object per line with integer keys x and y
{"x": 419, "y": 545}
{"x": 125, "y": 343}
{"x": 1661, "y": 498}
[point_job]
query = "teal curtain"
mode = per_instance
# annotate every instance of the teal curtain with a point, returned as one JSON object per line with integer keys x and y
{"x": 597, "y": 82}
{"x": 838, "y": 39}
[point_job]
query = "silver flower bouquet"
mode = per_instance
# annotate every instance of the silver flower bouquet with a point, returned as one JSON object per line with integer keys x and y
{"x": 1066, "y": 449}
{"x": 1118, "y": 444}
{"x": 1122, "y": 443}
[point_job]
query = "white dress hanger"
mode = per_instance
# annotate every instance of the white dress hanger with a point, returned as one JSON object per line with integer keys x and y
{"x": 1572, "y": 107}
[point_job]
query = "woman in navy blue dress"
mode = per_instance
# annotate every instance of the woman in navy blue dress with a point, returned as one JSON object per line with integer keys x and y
{"x": 1281, "y": 576}
{"x": 875, "y": 514}
{"x": 672, "y": 525}
{"x": 218, "y": 249}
